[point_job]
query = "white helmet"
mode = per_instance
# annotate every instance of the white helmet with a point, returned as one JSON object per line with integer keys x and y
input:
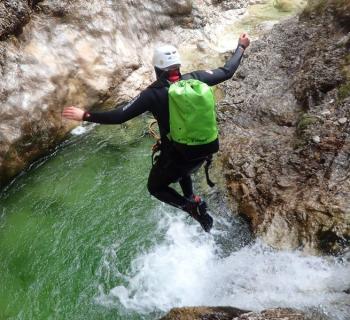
{"x": 166, "y": 56}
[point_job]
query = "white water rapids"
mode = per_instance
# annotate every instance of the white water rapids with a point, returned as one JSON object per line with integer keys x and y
{"x": 189, "y": 268}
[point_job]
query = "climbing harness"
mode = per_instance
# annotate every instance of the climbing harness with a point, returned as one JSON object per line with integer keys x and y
{"x": 156, "y": 149}
{"x": 209, "y": 161}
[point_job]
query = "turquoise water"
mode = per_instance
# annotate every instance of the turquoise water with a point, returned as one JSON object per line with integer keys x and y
{"x": 80, "y": 238}
{"x": 71, "y": 227}
{"x": 57, "y": 219}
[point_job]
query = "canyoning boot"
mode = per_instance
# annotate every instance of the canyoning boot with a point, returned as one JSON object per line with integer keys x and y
{"x": 198, "y": 211}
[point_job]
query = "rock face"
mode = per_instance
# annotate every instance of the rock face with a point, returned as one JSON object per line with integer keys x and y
{"x": 70, "y": 53}
{"x": 14, "y": 14}
{"x": 91, "y": 54}
{"x": 286, "y": 131}
{"x": 228, "y": 313}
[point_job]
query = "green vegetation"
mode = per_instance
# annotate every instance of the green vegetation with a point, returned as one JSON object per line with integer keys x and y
{"x": 306, "y": 120}
{"x": 71, "y": 223}
{"x": 287, "y": 5}
{"x": 306, "y": 129}
{"x": 344, "y": 91}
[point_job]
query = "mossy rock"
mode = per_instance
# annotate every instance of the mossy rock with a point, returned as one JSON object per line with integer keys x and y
{"x": 287, "y": 5}
{"x": 307, "y": 120}
{"x": 344, "y": 91}
{"x": 346, "y": 67}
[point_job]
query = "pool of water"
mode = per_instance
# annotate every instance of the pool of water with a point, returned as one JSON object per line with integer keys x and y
{"x": 80, "y": 238}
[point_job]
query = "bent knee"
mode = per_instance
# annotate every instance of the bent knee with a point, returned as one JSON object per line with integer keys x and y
{"x": 152, "y": 187}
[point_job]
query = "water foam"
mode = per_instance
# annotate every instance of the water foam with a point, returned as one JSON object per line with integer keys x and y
{"x": 189, "y": 269}
{"x": 80, "y": 130}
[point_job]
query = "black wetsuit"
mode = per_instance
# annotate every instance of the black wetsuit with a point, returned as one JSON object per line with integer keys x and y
{"x": 171, "y": 166}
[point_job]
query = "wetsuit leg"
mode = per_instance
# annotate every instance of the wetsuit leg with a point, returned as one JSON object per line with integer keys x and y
{"x": 158, "y": 185}
{"x": 168, "y": 170}
{"x": 186, "y": 186}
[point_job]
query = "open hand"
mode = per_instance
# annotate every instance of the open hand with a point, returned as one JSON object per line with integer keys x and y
{"x": 73, "y": 113}
{"x": 244, "y": 40}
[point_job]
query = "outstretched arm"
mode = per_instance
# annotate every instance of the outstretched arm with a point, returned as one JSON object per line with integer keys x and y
{"x": 135, "y": 107}
{"x": 213, "y": 77}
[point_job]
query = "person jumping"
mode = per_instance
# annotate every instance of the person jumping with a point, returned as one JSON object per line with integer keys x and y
{"x": 174, "y": 164}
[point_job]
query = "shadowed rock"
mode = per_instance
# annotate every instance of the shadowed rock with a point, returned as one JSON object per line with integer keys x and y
{"x": 286, "y": 137}
{"x": 14, "y": 14}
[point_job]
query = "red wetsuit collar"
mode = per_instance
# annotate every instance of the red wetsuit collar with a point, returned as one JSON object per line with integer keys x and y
{"x": 174, "y": 75}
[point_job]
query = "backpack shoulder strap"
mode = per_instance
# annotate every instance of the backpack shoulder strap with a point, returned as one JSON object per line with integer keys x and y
{"x": 160, "y": 83}
{"x": 186, "y": 76}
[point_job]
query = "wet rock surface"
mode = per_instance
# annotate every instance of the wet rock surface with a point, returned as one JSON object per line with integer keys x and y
{"x": 201, "y": 313}
{"x": 70, "y": 53}
{"x": 229, "y": 313}
{"x": 14, "y": 15}
{"x": 285, "y": 132}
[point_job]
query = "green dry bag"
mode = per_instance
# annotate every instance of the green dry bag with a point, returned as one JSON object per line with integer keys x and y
{"x": 192, "y": 113}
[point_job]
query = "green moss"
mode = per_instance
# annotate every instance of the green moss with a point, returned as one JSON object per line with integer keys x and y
{"x": 305, "y": 121}
{"x": 287, "y": 5}
{"x": 347, "y": 59}
{"x": 344, "y": 91}
{"x": 346, "y": 67}
{"x": 283, "y": 6}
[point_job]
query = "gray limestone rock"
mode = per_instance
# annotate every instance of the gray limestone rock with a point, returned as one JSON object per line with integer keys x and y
{"x": 287, "y": 128}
